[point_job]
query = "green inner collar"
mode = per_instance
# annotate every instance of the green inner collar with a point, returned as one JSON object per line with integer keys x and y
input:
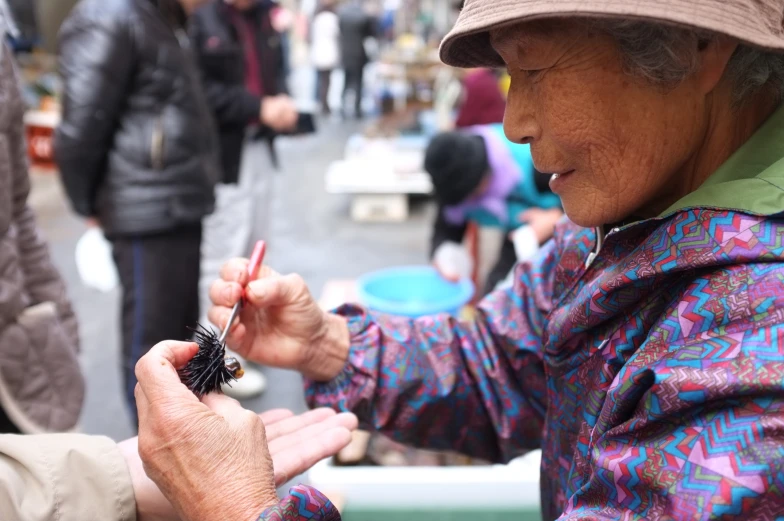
{"x": 750, "y": 181}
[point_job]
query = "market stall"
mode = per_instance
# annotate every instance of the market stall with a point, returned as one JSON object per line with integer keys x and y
{"x": 380, "y": 174}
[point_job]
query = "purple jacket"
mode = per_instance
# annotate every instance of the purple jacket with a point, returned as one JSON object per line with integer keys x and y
{"x": 647, "y": 362}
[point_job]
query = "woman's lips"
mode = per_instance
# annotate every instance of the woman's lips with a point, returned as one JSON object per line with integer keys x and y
{"x": 557, "y": 180}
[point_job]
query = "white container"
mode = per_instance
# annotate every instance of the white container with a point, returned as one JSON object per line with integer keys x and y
{"x": 513, "y": 486}
{"x": 379, "y": 208}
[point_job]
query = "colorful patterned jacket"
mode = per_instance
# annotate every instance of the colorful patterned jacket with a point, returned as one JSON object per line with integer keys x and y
{"x": 647, "y": 362}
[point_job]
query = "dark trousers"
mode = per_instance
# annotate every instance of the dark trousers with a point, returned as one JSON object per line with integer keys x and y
{"x": 160, "y": 284}
{"x": 324, "y": 79}
{"x": 506, "y": 261}
{"x": 354, "y": 81}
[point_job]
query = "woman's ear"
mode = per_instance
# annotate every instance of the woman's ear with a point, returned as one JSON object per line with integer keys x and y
{"x": 715, "y": 54}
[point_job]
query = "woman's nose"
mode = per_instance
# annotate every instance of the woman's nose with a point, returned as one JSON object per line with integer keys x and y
{"x": 520, "y": 123}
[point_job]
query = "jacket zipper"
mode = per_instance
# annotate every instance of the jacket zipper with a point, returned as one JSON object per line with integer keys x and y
{"x": 599, "y": 243}
{"x": 184, "y": 42}
{"x": 156, "y": 148}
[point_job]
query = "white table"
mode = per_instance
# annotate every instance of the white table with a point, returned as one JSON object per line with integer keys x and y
{"x": 379, "y": 193}
{"x": 380, "y": 174}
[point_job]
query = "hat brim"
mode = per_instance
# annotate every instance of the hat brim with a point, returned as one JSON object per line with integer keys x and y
{"x": 468, "y": 43}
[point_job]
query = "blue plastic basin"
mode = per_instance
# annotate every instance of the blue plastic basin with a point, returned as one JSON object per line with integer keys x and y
{"x": 413, "y": 291}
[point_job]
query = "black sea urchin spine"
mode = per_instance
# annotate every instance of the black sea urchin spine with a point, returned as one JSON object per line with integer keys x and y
{"x": 207, "y": 371}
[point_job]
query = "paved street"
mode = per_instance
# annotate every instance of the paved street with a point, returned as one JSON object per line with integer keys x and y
{"x": 312, "y": 235}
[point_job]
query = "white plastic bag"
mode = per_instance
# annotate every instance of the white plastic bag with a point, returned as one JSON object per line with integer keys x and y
{"x": 453, "y": 261}
{"x": 94, "y": 261}
{"x": 525, "y": 243}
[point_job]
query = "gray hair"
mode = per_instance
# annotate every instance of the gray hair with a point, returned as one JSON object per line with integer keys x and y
{"x": 666, "y": 55}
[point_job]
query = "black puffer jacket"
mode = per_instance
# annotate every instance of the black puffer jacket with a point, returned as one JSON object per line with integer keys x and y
{"x": 222, "y": 59}
{"x": 137, "y": 147}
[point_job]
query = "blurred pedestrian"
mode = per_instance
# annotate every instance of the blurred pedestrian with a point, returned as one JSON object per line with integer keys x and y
{"x": 41, "y": 386}
{"x": 492, "y": 182}
{"x": 137, "y": 152}
{"x": 243, "y": 71}
{"x": 325, "y": 49}
{"x": 356, "y": 26}
{"x": 483, "y": 102}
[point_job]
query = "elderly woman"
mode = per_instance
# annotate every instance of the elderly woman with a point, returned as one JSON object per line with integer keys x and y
{"x": 643, "y": 348}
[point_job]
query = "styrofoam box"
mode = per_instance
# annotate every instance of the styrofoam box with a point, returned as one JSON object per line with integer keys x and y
{"x": 364, "y": 176}
{"x": 512, "y": 486}
{"x": 379, "y": 208}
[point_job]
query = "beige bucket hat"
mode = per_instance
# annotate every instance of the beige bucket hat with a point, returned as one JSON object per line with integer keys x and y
{"x": 756, "y": 22}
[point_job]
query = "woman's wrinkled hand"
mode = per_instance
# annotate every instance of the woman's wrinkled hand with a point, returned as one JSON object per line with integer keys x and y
{"x": 212, "y": 459}
{"x": 280, "y": 325}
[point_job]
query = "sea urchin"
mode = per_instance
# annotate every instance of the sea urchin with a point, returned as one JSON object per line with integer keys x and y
{"x": 209, "y": 369}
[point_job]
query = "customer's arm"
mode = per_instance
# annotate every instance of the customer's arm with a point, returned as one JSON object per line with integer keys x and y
{"x": 64, "y": 477}
{"x": 96, "y": 61}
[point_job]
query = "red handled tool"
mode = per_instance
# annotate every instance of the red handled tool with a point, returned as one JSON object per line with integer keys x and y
{"x": 256, "y": 258}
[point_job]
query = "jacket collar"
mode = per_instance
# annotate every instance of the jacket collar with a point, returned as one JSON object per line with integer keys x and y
{"x": 750, "y": 181}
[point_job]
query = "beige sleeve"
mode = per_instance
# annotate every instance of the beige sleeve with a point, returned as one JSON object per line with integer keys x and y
{"x": 64, "y": 477}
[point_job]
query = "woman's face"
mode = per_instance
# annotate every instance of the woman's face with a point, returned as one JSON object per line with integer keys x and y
{"x": 616, "y": 143}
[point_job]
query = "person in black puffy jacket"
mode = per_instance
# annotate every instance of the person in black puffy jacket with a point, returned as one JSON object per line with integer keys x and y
{"x": 138, "y": 154}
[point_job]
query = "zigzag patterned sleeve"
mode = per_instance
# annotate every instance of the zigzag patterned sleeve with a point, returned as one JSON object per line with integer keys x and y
{"x": 438, "y": 383}
{"x": 302, "y": 504}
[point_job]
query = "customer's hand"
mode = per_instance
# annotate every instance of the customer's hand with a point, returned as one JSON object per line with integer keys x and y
{"x": 281, "y": 325}
{"x": 279, "y": 113}
{"x": 213, "y": 460}
{"x": 542, "y": 221}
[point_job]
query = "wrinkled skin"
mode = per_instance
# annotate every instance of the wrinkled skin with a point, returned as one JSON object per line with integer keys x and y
{"x": 634, "y": 148}
{"x": 282, "y": 325}
{"x": 212, "y": 459}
